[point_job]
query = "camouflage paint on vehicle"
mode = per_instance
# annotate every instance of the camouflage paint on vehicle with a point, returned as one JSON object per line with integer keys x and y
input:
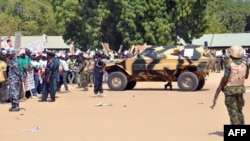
{"x": 162, "y": 63}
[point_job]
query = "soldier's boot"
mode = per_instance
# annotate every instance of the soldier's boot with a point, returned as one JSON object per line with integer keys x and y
{"x": 170, "y": 87}
{"x": 12, "y": 105}
{"x": 80, "y": 85}
{"x": 14, "y": 108}
{"x": 85, "y": 89}
{"x": 169, "y": 84}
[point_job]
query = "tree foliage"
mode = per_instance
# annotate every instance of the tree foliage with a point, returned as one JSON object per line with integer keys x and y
{"x": 143, "y": 21}
{"x": 126, "y": 22}
{"x": 32, "y": 17}
{"x": 212, "y": 16}
{"x": 228, "y": 16}
{"x": 189, "y": 18}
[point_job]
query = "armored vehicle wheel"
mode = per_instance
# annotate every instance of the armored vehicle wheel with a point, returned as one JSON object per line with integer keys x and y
{"x": 187, "y": 81}
{"x": 131, "y": 85}
{"x": 201, "y": 83}
{"x": 117, "y": 81}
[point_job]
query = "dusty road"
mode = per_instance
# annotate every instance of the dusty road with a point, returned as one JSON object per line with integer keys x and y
{"x": 147, "y": 113}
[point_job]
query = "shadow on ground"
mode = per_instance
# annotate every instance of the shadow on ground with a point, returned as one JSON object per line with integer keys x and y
{"x": 218, "y": 133}
{"x": 159, "y": 89}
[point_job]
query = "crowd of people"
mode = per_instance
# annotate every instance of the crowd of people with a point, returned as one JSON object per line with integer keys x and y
{"x": 26, "y": 74}
{"x": 219, "y": 61}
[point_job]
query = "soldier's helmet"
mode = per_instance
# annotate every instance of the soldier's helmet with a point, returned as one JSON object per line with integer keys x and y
{"x": 236, "y": 51}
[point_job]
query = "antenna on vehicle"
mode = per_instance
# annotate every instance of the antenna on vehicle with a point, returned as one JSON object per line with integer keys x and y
{"x": 212, "y": 40}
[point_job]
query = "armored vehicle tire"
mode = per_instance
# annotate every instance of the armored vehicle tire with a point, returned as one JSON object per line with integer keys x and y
{"x": 187, "y": 81}
{"x": 117, "y": 81}
{"x": 131, "y": 85}
{"x": 201, "y": 83}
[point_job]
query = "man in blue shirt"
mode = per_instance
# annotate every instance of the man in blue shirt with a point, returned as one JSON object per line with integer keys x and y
{"x": 50, "y": 78}
{"x": 98, "y": 74}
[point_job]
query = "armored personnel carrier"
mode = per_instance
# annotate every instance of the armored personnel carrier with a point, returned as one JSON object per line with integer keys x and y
{"x": 186, "y": 65}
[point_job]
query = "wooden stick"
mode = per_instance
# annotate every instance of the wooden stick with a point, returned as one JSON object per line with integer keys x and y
{"x": 24, "y": 91}
{"x": 31, "y": 94}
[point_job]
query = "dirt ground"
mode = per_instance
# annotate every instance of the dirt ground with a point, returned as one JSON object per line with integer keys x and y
{"x": 146, "y": 113}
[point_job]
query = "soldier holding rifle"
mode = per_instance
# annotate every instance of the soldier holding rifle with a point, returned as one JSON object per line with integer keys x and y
{"x": 232, "y": 84}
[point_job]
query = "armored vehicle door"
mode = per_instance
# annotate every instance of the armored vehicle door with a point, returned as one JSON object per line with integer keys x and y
{"x": 140, "y": 64}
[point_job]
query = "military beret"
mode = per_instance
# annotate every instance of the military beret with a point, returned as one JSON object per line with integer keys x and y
{"x": 50, "y": 54}
{"x": 98, "y": 54}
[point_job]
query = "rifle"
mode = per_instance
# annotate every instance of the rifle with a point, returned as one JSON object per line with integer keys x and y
{"x": 216, "y": 95}
{"x": 217, "y": 92}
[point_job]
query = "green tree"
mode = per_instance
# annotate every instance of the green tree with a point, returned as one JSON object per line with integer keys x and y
{"x": 126, "y": 22}
{"x": 189, "y": 18}
{"x": 71, "y": 18}
{"x": 32, "y": 17}
{"x": 233, "y": 15}
{"x": 228, "y": 16}
{"x": 212, "y": 16}
{"x": 8, "y": 24}
{"x": 143, "y": 21}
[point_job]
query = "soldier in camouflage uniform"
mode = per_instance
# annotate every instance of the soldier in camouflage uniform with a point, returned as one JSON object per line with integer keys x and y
{"x": 232, "y": 84}
{"x": 78, "y": 63}
{"x": 84, "y": 75}
{"x": 213, "y": 65}
{"x": 90, "y": 68}
{"x": 217, "y": 65}
{"x": 14, "y": 80}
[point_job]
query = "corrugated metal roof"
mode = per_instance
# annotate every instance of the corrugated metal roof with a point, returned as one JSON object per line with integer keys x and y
{"x": 213, "y": 40}
{"x": 54, "y": 42}
{"x": 224, "y": 40}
